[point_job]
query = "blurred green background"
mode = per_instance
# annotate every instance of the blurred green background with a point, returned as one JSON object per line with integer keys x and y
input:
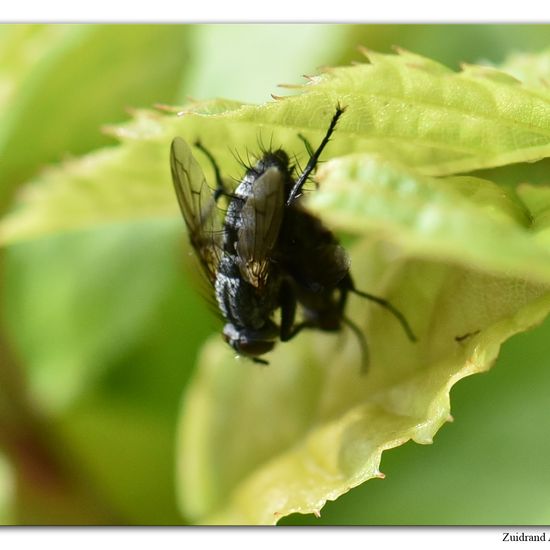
{"x": 101, "y": 328}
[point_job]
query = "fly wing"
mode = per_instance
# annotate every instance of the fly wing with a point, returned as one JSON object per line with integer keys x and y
{"x": 261, "y": 218}
{"x": 197, "y": 205}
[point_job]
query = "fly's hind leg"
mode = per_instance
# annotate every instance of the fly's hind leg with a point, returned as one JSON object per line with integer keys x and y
{"x": 345, "y": 286}
{"x": 362, "y": 342}
{"x": 385, "y": 304}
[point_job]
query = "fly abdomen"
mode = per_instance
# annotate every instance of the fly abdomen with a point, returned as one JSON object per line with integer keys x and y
{"x": 233, "y": 217}
{"x": 241, "y": 303}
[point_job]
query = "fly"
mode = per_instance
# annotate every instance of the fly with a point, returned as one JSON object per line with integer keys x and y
{"x": 267, "y": 253}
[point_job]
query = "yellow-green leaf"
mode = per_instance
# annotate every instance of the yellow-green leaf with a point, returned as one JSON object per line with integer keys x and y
{"x": 257, "y": 444}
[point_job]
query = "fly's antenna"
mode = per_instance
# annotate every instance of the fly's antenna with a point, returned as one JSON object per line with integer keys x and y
{"x": 315, "y": 156}
{"x": 220, "y": 187}
{"x": 362, "y": 343}
{"x": 392, "y": 309}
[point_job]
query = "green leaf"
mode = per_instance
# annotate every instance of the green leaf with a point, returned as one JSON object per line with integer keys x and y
{"x": 466, "y": 272}
{"x": 259, "y": 444}
{"x": 465, "y": 220}
{"x": 112, "y": 185}
{"x": 537, "y": 199}
{"x": 532, "y": 69}
{"x": 58, "y": 107}
{"x": 424, "y": 114}
{"x": 489, "y": 467}
{"x": 401, "y": 106}
{"x": 97, "y": 293}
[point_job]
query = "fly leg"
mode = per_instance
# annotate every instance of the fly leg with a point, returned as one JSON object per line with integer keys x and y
{"x": 345, "y": 286}
{"x": 220, "y": 186}
{"x": 362, "y": 342}
{"x": 310, "y": 151}
{"x": 296, "y": 190}
{"x": 350, "y": 286}
{"x": 288, "y": 314}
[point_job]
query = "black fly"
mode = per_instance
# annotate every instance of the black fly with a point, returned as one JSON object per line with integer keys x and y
{"x": 268, "y": 253}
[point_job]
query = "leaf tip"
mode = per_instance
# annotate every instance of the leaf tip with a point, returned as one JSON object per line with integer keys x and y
{"x": 191, "y": 104}
{"x": 131, "y": 111}
{"x": 487, "y": 72}
{"x": 326, "y": 69}
{"x": 117, "y": 132}
{"x": 290, "y": 86}
{"x": 165, "y": 108}
{"x": 366, "y": 52}
{"x": 399, "y": 50}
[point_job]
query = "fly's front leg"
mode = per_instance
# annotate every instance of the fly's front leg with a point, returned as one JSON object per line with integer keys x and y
{"x": 297, "y": 188}
{"x": 220, "y": 186}
{"x": 288, "y": 314}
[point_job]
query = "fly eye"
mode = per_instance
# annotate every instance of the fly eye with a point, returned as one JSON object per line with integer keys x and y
{"x": 250, "y": 343}
{"x": 255, "y": 348}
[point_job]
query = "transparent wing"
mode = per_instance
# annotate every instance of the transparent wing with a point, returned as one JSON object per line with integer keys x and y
{"x": 261, "y": 218}
{"x": 198, "y": 207}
